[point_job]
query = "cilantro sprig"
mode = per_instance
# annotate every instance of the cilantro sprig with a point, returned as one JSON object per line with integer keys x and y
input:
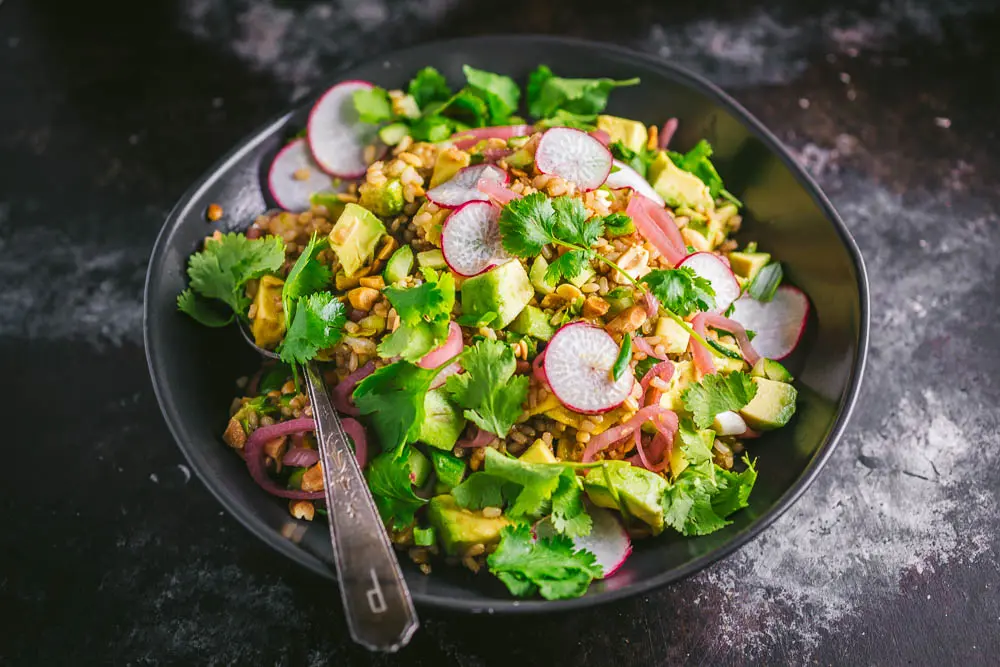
{"x": 699, "y": 504}
{"x": 388, "y": 478}
{"x": 318, "y": 324}
{"x": 718, "y": 393}
{"x": 681, "y": 290}
{"x": 552, "y": 567}
{"x": 570, "y": 100}
{"x": 424, "y": 314}
{"x": 488, "y": 390}
{"x": 396, "y": 392}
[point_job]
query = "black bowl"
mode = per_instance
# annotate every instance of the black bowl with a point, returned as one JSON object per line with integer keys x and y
{"x": 193, "y": 368}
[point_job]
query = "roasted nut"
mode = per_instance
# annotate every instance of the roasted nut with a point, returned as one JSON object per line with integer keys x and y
{"x": 302, "y": 509}
{"x": 628, "y": 320}
{"x": 363, "y": 298}
{"x": 234, "y": 436}
{"x": 312, "y": 479}
{"x": 375, "y": 282}
{"x": 695, "y": 239}
{"x": 635, "y": 262}
{"x": 345, "y": 283}
{"x": 214, "y": 213}
{"x": 276, "y": 450}
{"x": 594, "y": 307}
{"x": 553, "y": 300}
{"x": 569, "y": 292}
{"x": 389, "y": 246}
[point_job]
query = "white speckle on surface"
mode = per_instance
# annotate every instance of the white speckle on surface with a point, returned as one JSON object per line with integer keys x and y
{"x": 153, "y": 478}
{"x": 944, "y": 123}
{"x": 803, "y": 103}
{"x": 845, "y": 77}
{"x": 185, "y": 471}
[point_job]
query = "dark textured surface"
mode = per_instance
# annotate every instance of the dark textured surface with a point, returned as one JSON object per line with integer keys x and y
{"x": 110, "y": 555}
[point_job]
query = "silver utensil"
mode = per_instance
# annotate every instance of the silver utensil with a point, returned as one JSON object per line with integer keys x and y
{"x": 377, "y": 602}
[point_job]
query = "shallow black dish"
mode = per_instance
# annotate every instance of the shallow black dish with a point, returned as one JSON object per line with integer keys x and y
{"x": 193, "y": 368}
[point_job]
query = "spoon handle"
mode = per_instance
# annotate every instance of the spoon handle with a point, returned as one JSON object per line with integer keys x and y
{"x": 380, "y": 613}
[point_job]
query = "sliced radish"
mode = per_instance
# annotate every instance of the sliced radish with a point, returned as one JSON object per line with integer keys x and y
{"x": 294, "y": 175}
{"x": 778, "y": 323}
{"x": 711, "y": 267}
{"x": 607, "y": 540}
{"x": 337, "y": 137}
{"x": 578, "y": 363}
{"x": 468, "y": 138}
{"x": 574, "y": 156}
{"x": 463, "y": 186}
{"x": 470, "y": 239}
{"x": 729, "y": 423}
{"x": 625, "y": 176}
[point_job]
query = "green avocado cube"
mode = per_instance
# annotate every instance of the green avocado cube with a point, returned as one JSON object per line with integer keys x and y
{"x": 640, "y": 491}
{"x": 399, "y": 265}
{"x": 354, "y": 237}
{"x": 772, "y": 370}
{"x": 532, "y": 321}
{"x": 748, "y": 264}
{"x": 678, "y": 187}
{"x": 420, "y": 468}
{"x": 448, "y": 468}
{"x": 537, "y": 276}
{"x": 772, "y": 407}
{"x": 385, "y": 200}
{"x": 459, "y": 529}
{"x": 443, "y": 421}
{"x": 631, "y": 133}
{"x": 504, "y": 290}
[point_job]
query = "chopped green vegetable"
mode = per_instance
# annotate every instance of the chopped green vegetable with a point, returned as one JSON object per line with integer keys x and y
{"x": 766, "y": 282}
{"x": 428, "y": 86}
{"x": 699, "y": 504}
{"x": 392, "y": 134}
{"x": 644, "y": 366}
{"x": 201, "y": 310}
{"x": 681, "y": 290}
{"x": 224, "y": 266}
{"x": 424, "y": 537}
{"x": 488, "y": 390}
{"x": 548, "y": 93}
{"x": 372, "y": 104}
{"x": 274, "y": 379}
{"x": 500, "y": 92}
{"x": 638, "y": 160}
{"x": 618, "y": 224}
{"x": 306, "y": 276}
{"x": 388, "y": 478}
{"x": 424, "y": 312}
{"x": 396, "y": 392}
{"x": 318, "y": 324}
{"x": 553, "y": 567}
{"x": 624, "y": 356}
{"x": 696, "y": 161}
{"x": 718, "y": 393}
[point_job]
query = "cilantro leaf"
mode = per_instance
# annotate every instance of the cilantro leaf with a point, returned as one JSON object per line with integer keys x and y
{"x": 569, "y": 264}
{"x": 306, "y": 276}
{"x": 487, "y": 390}
{"x": 638, "y": 160}
{"x": 718, "y": 393}
{"x": 225, "y": 265}
{"x": 697, "y": 162}
{"x": 427, "y": 86}
{"x": 526, "y": 224}
{"x": 618, "y": 224}
{"x": 734, "y": 488}
{"x": 372, "y": 104}
{"x": 389, "y": 480}
{"x": 552, "y": 567}
{"x": 318, "y": 324}
{"x": 569, "y": 515}
{"x": 644, "y": 366}
{"x": 432, "y": 128}
{"x": 201, "y": 310}
{"x": 481, "y": 489}
{"x": 572, "y": 223}
{"x": 424, "y": 313}
{"x": 548, "y": 93}
{"x": 500, "y": 92}
{"x": 396, "y": 392}
{"x": 688, "y": 504}
{"x": 697, "y": 447}
{"x": 681, "y": 290}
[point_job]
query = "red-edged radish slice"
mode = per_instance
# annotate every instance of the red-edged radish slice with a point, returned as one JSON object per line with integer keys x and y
{"x": 624, "y": 176}
{"x": 463, "y": 186}
{"x": 469, "y": 138}
{"x": 607, "y": 540}
{"x": 574, "y": 156}
{"x": 451, "y": 347}
{"x": 729, "y": 423}
{"x": 470, "y": 239}
{"x": 289, "y": 190}
{"x": 337, "y": 137}
{"x": 778, "y": 323}
{"x": 578, "y": 363}
{"x": 711, "y": 267}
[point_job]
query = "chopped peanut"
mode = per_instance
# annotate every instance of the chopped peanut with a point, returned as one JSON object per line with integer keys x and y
{"x": 628, "y": 320}
{"x": 375, "y": 282}
{"x": 234, "y": 436}
{"x": 301, "y": 174}
{"x": 594, "y": 307}
{"x": 302, "y": 509}
{"x": 312, "y": 479}
{"x": 695, "y": 239}
{"x": 276, "y": 450}
{"x": 214, "y": 212}
{"x": 389, "y": 246}
{"x": 569, "y": 292}
{"x": 363, "y": 298}
{"x": 553, "y": 300}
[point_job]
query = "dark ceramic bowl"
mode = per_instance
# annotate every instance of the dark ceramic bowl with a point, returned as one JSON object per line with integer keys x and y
{"x": 193, "y": 368}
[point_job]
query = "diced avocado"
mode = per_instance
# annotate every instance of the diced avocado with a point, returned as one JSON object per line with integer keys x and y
{"x": 718, "y": 224}
{"x": 676, "y": 186}
{"x": 672, "y": 335}
{"x": 443, "y": 421}
{"x": 632, "y": 133}
{"x": 537, "y": 276}
{"x": 504, "y": 290}
{"x": 748, "y": 264}
{"x": 431, "y": 259}
{"x": 385, "y": 200}
{"x": 355, "y": 237}
{"x": 449, "y": 470}
{"x": 424, "y": 537}
{"x": 268, "y": 325}
{"x": 772, "y": 370}
{"x": 728, "y": 364}
{"x": 772, "y": 407}
{"x": 679, "y": 459}
{"x": 449, "y": 161}
{"x": 533, "y": 322}
{"x": 459, "y": 529}
{"x": 520, "y": 159}
{"x": 295, "y": 479}
{"x": 393, "y": 133}
{"x": 639, "y": 490}
{"x": 420, "y": 468}
{"x": 683, "y": 376}
{"x": 585, "y": 273}
{"x": 539, "y": 452}
{"x": 399, "y": 265}
{"x": 619, "y": 299}
{"x": 331, "y": 201}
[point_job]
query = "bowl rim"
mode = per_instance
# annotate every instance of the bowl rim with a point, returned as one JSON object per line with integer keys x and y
{"x": 686, "y": 77}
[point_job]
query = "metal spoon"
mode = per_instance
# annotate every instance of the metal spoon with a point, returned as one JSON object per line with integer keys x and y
{"x": 377, "y": 602}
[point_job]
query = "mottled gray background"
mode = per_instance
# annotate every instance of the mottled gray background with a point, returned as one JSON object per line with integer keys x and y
{"x": 112, "y": 554}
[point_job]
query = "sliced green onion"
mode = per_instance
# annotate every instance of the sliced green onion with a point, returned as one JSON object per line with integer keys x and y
{"x": 624, "y": 356}
{"x": 766, "y": 282}
{"x": 423, "y": 537}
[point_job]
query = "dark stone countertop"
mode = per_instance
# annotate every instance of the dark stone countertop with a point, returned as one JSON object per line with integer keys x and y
{"x": 111, "y": 554}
